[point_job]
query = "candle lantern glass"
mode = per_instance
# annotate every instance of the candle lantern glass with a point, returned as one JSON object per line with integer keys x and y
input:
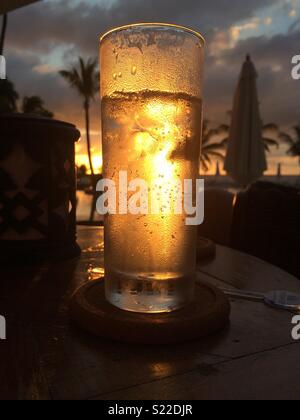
{"x": 151, "y": 91}
{"x": 37, "y": 189}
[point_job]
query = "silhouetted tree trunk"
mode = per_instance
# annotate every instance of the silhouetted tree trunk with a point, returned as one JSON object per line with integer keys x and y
{"x": 3, "y": 32}
{"x": 88, "y": 139}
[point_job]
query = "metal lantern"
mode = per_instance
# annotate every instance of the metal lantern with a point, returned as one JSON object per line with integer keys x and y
{"x": 37, "y": 189}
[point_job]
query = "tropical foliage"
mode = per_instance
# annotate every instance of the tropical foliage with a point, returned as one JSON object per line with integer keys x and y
{"x": 270, "y": 135}
{"x": 293, "y": 141}
{"x": 35, "y": 105}
{"x": 8, "y": 97}
{"x": 30, "y": 105}
{"x": 211, "y": 148}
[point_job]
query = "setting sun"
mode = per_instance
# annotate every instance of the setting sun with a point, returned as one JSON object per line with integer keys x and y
{"x": 82, "y": 159}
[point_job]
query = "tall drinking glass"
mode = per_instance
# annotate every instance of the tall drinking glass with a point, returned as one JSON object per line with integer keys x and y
{"x": 151, "y": 92}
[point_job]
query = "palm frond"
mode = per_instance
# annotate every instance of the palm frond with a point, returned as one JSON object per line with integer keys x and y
{"x": 295, "y": 149}
{"x": 209, "y": 135}
{"x": 217, "y": 154}
{"x": 225, "y": 142}
{"x": 297, "y": 131}
{"x": 270, "y": 142}
{"x": 223, "y": 129}
{"x": 73, "y": 78}
{"x": 84, "y": 78}
{"x": 286, "y": 138}
{"x": 212, "y": 149}
{"x": 271, "y": 127}
{"x": 205, "y": 160}
{"x": 212, "y": 146}
{"x": 204, "y": 165}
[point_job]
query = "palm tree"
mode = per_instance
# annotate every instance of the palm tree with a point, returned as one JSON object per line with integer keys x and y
{"x": 3, "y": 32}
{"x": 35, "y": 105}
{"x": 8, "y": 97}
{"x": 293, "y": 142}
{"x": 211, "y": 149}
{"x": 85, "y": 79}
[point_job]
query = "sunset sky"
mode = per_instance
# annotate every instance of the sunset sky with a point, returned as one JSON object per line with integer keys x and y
{"x": 49, "y": 35}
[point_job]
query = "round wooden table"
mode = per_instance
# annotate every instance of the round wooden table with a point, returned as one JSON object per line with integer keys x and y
{"x": 46, "y": 357}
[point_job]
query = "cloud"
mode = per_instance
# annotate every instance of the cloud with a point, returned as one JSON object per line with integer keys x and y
{"x": 224, "y": 40}
{"x": 51, "y": 34}
{"x": 279, "y": 93}
{"x": 44, "y": 25}
{"x": 268, "y": 21}
{"x": 45, "y": 69}
{"x": 235, "y": 31}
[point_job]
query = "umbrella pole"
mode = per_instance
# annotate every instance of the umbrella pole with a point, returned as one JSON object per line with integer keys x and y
{"x": 3, "y": 32}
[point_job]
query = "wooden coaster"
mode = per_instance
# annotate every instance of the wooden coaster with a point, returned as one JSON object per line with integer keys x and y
{"x": 206, "y": 249}
{"x": 207, "y": 314}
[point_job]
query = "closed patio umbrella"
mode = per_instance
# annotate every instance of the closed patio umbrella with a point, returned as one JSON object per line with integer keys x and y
{"x": 246, "y": 159}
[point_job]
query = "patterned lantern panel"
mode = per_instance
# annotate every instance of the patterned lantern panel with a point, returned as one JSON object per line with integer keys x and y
{"x": 38, "y": 187}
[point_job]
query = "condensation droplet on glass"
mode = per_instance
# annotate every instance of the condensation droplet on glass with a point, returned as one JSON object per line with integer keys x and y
{"x": 115, "y": 76}
{"x": 120, "y": 74}
{"x": 133, "y": 70}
